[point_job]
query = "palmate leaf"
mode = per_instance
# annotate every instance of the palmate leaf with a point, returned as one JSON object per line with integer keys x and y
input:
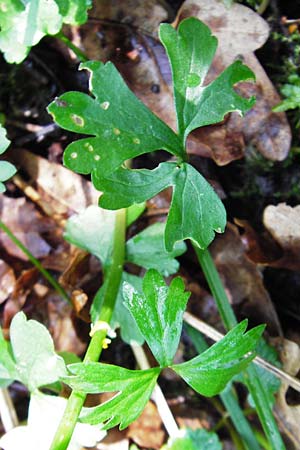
{"x": 134, "y": 389}
{"x": 158, "y": 313}
{"x": 23, "y": 23}
{"x": 191, "y": 50}
{"x": 122, "y": 127}
{"x": 198, "y": 223}
{"x": 209, "y": 372}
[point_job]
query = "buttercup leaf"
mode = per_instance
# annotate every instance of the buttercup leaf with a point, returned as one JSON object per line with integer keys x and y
{"x": 191, "y": 50}
{"x": 158, "y": 313}
{"x": 209, "y": 372}
{"x": 121, "y": 126}
{"x": 134, "y": 389}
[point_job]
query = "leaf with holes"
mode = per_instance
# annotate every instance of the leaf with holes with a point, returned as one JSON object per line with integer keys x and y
{"x": 191, "y": 50}
{"x": 158, "y": 313}
{"x": 24, "y": 23}
{"x": 209, "y": 372}
{"x": 134, "y": 389}
{"x": 120, "y": 125}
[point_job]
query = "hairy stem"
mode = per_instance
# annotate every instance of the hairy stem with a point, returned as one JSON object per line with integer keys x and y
{"x": 35, "y": 262}
{"x": 113, "y": 278}
{"x": 79, "y": 53}
{"x": 251, "y": 377}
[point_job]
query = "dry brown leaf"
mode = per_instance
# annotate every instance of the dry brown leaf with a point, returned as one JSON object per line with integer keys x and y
{"x": 68, "y": 191}
{"x": 287, "y": 415}
{"x": 243, "y": 280}
{"x": 26, "y": 224}
{"x": 147, "y": 430}
{"x": 283, "y": 223}
{"x": 240, "y": 32}
{"x": 7, "y": 281}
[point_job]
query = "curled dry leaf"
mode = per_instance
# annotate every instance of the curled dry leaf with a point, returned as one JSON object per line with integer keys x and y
{"x": 240, "y": 32}
{"x": 283, "y": 222}
{"x": 243, "y": 280}
{"x": 288, "y": 415}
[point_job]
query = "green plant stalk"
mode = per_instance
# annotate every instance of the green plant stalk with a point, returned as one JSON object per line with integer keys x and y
{"x": 228, "y": 397}
{"x": 113, "y": 278}
{"x": 253, "y": 382}
{"x": 79, "y": 53}
{"x": 35, "y": 262}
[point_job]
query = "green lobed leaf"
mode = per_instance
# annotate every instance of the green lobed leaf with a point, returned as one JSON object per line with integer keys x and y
{"x": 120, "y": 125}
{"x": 121, "y": 316}
{"x": 147, "y": 249}
{"x": 7, "y": 364}
{"x": 24, "y": 23}
{"x": 4, "y": 142}
{"x": 37, "y": 364}
{"x": 198, "y": 223}
{"x": 191, "y": 50}
{"x": 134, "y": 389}
{"x": 209, "y": 372}
{"x": 158, "y": 313}
{"x": 194, "y": 440}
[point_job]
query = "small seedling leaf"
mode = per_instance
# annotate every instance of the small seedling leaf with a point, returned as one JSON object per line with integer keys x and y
{"x": 209, "y": 372}
{"x": 120, "y": 125}
{"x": 191, "y": 50}
{"x": 24, "y": 23}
{"x": 158, "y": 313}
{"x": 37, "y": 364}
{"x": 147, "y": 249}
{"x": 134, "y": 389}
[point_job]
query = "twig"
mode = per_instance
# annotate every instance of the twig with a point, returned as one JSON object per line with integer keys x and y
{"x": 216, "y": 336}
{"x": 158, "y": 396}
{"x": 8, "y": 413}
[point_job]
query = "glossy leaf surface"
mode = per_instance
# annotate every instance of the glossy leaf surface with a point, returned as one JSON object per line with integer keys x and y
{"x": 120, "y": 125}
{"x": 24, "y": 23}
{"x": 134, "y": 389}
{"x": 191, "y": 50}
{"x": 209, "y": 372}
{"x": 158, "y": 313}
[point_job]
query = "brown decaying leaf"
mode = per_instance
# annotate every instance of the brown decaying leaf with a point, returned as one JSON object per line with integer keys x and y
{"x": 243, "y": 280}
{"x": 27, "y": 225}
{"x": 283, "y": 223}
{"x": 69, "y": 192}
{"x": 147, "y": 430}
{"x": 7, "y": 280}
{"x": 287, "y": 415}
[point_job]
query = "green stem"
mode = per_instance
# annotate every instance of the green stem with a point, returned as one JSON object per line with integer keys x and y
{"x": 79, "y": 53}
{"x": 114, "y": 273}
{"x": 35, "y": 262}
{"x": 254, "y": 384}
{"x": 263, "y": 6}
